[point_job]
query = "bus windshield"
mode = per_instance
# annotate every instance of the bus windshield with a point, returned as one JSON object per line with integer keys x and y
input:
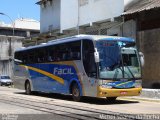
{"x": 118, "y": 60}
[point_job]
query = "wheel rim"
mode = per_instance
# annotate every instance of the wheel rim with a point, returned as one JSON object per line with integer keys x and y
{"x": 75, "y": 92}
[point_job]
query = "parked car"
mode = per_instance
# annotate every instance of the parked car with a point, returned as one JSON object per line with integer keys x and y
{"x": 5, "y": 80}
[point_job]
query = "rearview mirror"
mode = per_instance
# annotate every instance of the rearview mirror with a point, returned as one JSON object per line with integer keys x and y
{"x": 96, "y": 56}
{"x": 141, "y": 55}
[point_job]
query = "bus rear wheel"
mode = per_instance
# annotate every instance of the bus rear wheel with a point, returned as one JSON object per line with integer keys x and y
{"x": 28, "y": 88}
{"x": 111, "y": 99}
{"x": 76, "y": 93}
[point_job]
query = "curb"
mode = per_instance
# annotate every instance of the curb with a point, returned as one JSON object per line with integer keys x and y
{"x": 150, "y": 93}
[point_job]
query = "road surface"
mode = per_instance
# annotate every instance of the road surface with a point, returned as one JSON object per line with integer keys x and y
{"x": 40, "y": 106}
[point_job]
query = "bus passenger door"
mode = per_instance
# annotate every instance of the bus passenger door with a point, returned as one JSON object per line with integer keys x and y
{"x": 90, "y": 76}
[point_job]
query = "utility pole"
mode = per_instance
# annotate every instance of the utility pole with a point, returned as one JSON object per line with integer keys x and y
{"x": 78, "y": 17}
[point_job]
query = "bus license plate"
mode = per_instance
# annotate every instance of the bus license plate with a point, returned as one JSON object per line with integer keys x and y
{"x": 123, "y": 93}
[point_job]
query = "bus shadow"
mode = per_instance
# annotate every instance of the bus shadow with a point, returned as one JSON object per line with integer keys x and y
{"x": 89, "y": 100}
{"x": 103, "y": 101}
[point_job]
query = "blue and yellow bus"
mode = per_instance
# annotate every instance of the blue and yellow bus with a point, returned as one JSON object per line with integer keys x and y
{"x": 82, "y": 65}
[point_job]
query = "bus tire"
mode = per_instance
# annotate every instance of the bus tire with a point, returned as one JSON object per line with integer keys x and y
{"x": 111, "y": 99}
{"x": 76, "y": 92}
{"x": 28, "y": 88}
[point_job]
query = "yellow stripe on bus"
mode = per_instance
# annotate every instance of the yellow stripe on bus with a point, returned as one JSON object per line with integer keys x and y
{"x": 58, "y": 79}
{"x": 123, "y": 83}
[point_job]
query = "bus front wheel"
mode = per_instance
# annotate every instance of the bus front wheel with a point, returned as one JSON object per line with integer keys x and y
{"x": 28, "y": 88}
{"x": 76, "y": 92}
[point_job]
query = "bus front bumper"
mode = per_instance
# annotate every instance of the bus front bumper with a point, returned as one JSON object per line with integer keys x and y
{"x": 105, "y": 92}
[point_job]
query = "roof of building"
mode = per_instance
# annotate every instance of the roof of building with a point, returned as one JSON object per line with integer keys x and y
{"x": 26, "y": 23}
{"x": 22, "y": 23}
{"x": 141, "y": 5}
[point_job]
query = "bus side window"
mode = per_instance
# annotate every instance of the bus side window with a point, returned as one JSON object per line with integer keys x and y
{"x": 24, "y": 58}
{"x": 57, "y": 53}
{"x": 76, "y": 55}
{"x": 75, "y": 50}
{"x": 88, "y": 58}
{"x": 50, "y": 55}
{"x": 42, "y": 55}
{"x": 31, "y": 56}
{"x": 18, "y": 56}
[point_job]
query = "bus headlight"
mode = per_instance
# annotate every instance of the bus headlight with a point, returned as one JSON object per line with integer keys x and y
{"x": 138, "y": 83}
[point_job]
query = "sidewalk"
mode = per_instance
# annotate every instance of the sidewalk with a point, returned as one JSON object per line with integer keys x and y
{"x": 150, "y": 93}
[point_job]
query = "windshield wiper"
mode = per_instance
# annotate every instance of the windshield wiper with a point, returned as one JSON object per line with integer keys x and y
{"x": 123, "y": 72}
{"x": 129, "y": 70}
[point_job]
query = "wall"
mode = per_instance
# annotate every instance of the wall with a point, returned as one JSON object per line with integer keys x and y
{"x": 100, "y": 10}
{"x": 7, "y": 47}
{"x": 90, "y": 11}
{"x": 50, "y": 16}
{"x": 129, "y": 29}
{"x": 18, "y": 32}
{"x": 4, "y": 46}
{"x": 149, "y": 42}
{"x": 24, "y": 23}
{"x": 69, "y": 14}
{"x": 63, "y": 14}
{"x": 5, "y": 67}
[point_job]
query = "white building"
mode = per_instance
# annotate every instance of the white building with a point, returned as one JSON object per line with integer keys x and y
{"x": 8, "y": 43}
{"x": 25, "y": 23}
{"x": 69, "y": 14}
{"x": 23, "y": 27}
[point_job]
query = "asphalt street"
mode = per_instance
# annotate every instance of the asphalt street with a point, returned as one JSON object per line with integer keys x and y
{"x": 15, "y": 102}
